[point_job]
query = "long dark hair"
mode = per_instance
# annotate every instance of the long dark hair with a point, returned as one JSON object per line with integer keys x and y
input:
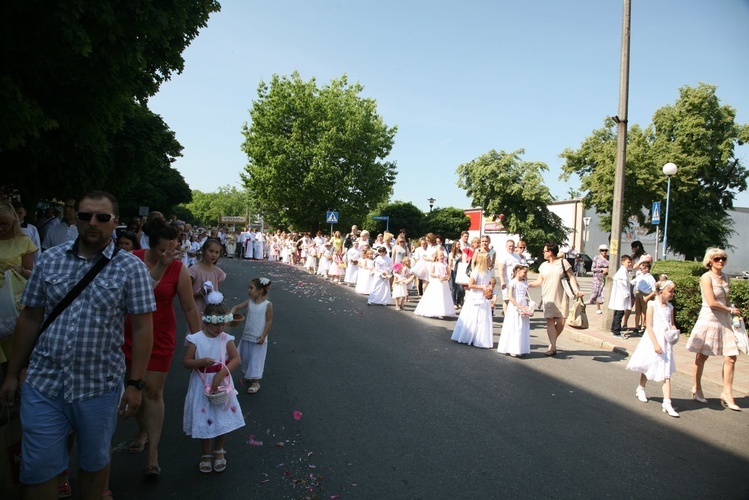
{"x": 638, "y": 249}
{"x": 158, "y": 229}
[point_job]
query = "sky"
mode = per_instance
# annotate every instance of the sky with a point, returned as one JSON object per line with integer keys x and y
{"x": 457, "y": 78}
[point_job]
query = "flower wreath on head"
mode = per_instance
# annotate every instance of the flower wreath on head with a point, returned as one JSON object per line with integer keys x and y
{"x": 264, "y": 281}
{"x": 214, "y": 298}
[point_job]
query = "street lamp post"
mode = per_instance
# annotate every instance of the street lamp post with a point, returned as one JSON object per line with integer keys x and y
{"x": 431, "y": 203}
{"x": 669, "y": 169}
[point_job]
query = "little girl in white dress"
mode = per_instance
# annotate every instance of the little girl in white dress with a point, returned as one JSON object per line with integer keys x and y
{"x": 474, "y": 325}
{"x": 654, "y": 357}
{"x": 515, "y": 338}
{"x": 253, "y": 347}
{"x": 211, "y": 355}
{"x": 364, "y": 274}
{"x": 437, "y": 302}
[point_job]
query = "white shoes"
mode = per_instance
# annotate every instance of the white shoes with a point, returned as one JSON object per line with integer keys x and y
{"x": 667, "y": 408}
{"x": 599, "y": 311}
{"x": 640, "y": 393}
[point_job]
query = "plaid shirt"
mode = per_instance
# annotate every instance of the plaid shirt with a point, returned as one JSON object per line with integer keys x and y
{"x": 79, "y": 353}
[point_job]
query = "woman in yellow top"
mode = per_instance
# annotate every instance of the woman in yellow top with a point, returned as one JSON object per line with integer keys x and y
{"x": 337, "y": 241}
{"x": 16, "y": 254}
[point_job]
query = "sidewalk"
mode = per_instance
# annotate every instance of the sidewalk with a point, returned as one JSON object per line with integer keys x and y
{"x": 598, "y": 335}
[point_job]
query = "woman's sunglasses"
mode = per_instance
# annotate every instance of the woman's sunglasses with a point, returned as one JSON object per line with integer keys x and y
{"x": 87, "y": 216}
{"x": 719, "y": 259}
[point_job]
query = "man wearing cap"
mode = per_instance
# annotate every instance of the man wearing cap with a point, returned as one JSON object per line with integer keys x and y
{"x": 600, "y": 269}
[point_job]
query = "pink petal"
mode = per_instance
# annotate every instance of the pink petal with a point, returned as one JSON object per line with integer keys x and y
{"x": 297, "y": 415}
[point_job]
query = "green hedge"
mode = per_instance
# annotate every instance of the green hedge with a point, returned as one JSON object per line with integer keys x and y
{"x": 688, "y": 298}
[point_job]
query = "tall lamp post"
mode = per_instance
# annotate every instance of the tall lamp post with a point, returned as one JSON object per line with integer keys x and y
{"x": 431, "y": 203}
{"x": 669, "y": 169}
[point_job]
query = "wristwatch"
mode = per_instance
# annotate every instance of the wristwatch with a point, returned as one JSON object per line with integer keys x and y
{"x": 140, "y": 384}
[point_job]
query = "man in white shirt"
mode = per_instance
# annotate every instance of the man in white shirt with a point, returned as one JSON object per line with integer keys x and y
{"x": 66, "y": 230}
{"x": 506, "y": 263}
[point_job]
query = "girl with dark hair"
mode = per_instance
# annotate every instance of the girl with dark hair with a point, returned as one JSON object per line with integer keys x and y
{"x": 253, "y": 347}
{"x": 128, "y": 241}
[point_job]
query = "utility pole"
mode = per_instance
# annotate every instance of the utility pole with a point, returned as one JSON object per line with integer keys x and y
{"x": 615, "y": 250}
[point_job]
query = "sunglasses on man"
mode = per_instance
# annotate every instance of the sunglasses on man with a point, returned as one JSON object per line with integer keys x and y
{"x": 87, "y": 216}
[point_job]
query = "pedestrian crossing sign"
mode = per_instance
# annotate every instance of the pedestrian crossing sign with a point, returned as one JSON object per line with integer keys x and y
{"x": 655, "y": 213}
{"x": 332, "y": 218}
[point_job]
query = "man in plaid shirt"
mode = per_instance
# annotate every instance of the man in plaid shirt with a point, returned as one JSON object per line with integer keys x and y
{"x": 76, "y": 367}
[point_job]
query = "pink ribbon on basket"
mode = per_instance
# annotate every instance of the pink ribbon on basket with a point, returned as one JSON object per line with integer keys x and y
{"x": 215, "y": 368}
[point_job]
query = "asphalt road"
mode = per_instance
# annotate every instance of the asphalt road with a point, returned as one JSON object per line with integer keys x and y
{"x": 391, "y": 408}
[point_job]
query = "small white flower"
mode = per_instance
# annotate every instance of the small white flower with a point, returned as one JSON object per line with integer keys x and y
{"x": 264, "y": 281}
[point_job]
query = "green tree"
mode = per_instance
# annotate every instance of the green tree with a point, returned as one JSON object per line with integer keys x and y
{"x": 71, "y": 72}
{"x": 139, "y": 165}
{"x": 699, "y": 135}
{"x": 503, "y": 183}
{"x": 448, "y": 222}
{"x": 403, "y": 215}
{"x": 315, "y": 149}
{"x": 207, "y": 208}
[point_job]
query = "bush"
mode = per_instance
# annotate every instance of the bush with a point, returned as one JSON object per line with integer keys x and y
{"x": 688, "y": 298}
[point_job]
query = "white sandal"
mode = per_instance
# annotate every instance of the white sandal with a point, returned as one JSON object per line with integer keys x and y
{"x": 253, "y": 388}
{"x": 206, "y": 465}
{"x": 219, "y": 464}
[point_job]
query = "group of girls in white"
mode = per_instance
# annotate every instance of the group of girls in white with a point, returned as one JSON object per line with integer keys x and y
{"x": 381, "y": 270}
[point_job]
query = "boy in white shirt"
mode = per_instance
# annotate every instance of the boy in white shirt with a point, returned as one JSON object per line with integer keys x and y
{"x": 620, "y": 300}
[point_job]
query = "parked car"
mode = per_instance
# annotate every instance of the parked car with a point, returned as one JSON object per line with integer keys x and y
{"x": 587, "y": 261}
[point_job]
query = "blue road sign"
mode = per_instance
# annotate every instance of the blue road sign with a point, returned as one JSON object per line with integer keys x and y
{"x": 380, "y": 217}
{"x": 332, "y": 218}
{"x": 655, "y": 214}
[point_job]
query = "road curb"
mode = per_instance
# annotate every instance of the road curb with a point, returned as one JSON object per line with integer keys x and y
{"x": 593, "y": 341}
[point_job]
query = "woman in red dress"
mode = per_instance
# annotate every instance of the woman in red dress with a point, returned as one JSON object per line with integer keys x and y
{"x": 173, "y": 280}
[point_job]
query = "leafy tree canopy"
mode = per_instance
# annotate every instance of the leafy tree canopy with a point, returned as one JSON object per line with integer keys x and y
{"x": 447, "y": 222}
{"x": 503, "y": 183}
{"x": 73, "y": 73}
{"x": 207, "y": 208}
{"x": 696, "y": 133}
{"x": 403, "y": 215}
{"x": 314, "y": 149}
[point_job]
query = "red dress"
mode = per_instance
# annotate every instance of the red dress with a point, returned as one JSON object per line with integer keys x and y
{"x": 164, "y": 320}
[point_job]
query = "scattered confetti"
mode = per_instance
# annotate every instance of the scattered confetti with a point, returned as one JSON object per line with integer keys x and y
{"x": 253, "y": 442}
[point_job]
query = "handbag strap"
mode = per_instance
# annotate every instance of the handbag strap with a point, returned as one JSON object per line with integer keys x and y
{"x": 77, "y": 289}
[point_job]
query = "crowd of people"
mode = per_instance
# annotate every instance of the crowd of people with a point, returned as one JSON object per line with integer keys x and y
{"x": 125, "y": 325}
{"x": 95, "y": 335}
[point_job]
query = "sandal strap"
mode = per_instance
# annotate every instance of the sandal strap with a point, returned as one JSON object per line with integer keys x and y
{"x": 206, "y": 456}
{"x": 223, "y": 452}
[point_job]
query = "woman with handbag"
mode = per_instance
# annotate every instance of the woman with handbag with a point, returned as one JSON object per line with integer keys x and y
{"x": 654, "y": 356}
{"x": 16, "y": 262}
{"x": 556, "y": 300}
{"x": 713, "y": 335}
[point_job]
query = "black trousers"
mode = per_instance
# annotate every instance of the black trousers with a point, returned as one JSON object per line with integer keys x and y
{"x": 616, "y": 324}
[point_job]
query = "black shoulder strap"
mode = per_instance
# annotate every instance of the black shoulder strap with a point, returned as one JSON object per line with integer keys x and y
{"x": 77, "y": 289}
